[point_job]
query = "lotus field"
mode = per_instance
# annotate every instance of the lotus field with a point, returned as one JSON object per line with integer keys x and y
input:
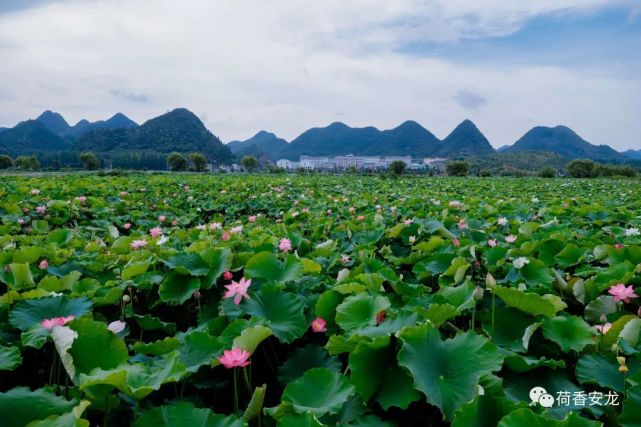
{"x": 220, "y": 300}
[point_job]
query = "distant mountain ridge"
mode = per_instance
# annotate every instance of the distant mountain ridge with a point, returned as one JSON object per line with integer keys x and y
{"x": 564, "y": 141}
{"x": 181, "y": 130}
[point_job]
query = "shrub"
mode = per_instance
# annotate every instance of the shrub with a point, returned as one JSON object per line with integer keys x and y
{"x": 89, "y": 161}
{"x": 457, "y": 168}
{"x": 397, "y": 167}
{"x": 547, "y": 172}
{"x": 177, "y": 162}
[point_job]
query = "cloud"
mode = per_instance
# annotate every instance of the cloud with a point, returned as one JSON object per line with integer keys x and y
{"x": 469, "y": 99}
{"x": 251, "y": 65}
{"x": 129, "y": 96}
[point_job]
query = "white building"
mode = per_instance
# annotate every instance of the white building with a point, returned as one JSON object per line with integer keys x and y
{"x": 434, "y": 162}
{"x": 316, "y": 163}
{"x": 288, "y": 164}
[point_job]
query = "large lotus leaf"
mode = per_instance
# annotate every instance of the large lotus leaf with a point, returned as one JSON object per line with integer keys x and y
{"x": 198, "y": 349}
{"x": 359, "y": 311}
{"x": 447, "y": 372}
{"x": 188, "y": 263}
{"x": 389, "y": 326}
{"x": 571, "y": 255}
{"x": 20, "y": 406}
{"x": 569, "y": 332}
{"x": 138, "y": 380}
{"x": 509, "y": 327}
{"x": 536, "y": 273}
{"x": 158, "y": 347}
{"x": 484, "y": 411}
{"x": 150, "y": 323}
{"x": 135, "y": 269}
{"x": 602, "y": 370}
{"x": 530, "y": 303}
{"x": 27, "y": 254}
{"x": 63, "y": 337}
{"x": 70, "y": 419}
{"x": 391, "y": 385}
{"x": 282, "y": 312}
{"x": 319, "y": 391}
{"x": 524, "y": 417}
{"x": 523, "y": 363}
{"x": 437, "y": 314}
{"x": 22, "y": 277}
{"x": 10, "y": 358}
{"x": 249, "y": 338}
{"x": 326, "y": 306}
{"x": 219, "y": 260}
{"x": 265, "y": 265}
{"x": 32, "y": 312}
{"x": 184, "y": 414}
{"x": 601, "y": 306}
{"x": 631, "y": 408}
{"x": 303, "y": 359}
{"x": 177, "y": 288}
{"x": 300, "y": 420}
{"x": 96, "y": 347}
{"x": 610, "y": 339}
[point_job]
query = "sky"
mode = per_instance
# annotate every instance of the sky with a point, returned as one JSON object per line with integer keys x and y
{"x": 288, "y": 65}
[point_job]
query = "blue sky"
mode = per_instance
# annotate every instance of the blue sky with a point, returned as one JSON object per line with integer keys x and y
{"x": 248, "y": 65}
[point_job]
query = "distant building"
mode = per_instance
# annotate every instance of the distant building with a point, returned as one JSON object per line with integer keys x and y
{"x": 435, "y": 162}
{"x": 288, "y": 164}
{"x": 316, "y": 163}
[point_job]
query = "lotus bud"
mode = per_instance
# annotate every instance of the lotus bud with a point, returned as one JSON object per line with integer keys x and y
{"x": 490, "y": 282}
{"x": 603, "y": 319}
{"x": 126, "y": 298}
{"x": 197, "y": 294}
{"x": 478, "y": 293}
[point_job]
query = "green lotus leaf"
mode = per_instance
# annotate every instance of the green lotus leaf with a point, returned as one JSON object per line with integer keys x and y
{"x": 32, "y": 312}
{"x": 198, "y": 349}
{"x": 20, "y": 406}
{"x": 135, "y": 269}
{"x": 188, "y": 263}
{"x": 266, "y": 265}
{"x": 523, "y": 363}
{"x": 631, "y": 408}
{"x": 510, "y": 325}
{"x": 359, "y": 311}
{"x": 70, "y": 419}
{"x": 601, "y": 306}
{"x": 319, "y": 391}
{"x": 300, "y": 420}
{"x": 22, "y": 277}
{"x": 158, "y": 347}
{"x": 219, "y": 260}
{"x": 96, "y": 347}
{"x": 303, "y": 359}
{"x": 530, "y": 303}
{"x": 483, "y": 411}
{"x": 447, "y": 372}
{"x": 569, "y": 332}
{"x": 437, "y": 314}
{"x": 151, "y": 323}
{"x": 326, "y": 306}
{"x": 602, "y": 370}
{"x": 524, "y": 417}
{"x": 184, "y": 414}
{"x": 537, "y": 273}
{"x": 251, "y": 337}
{"x": 177, "y": 288}
{"x": 10, "y": 358}
{"x": 281, "y": 311}
{"x": 27, "y": 254}
{"x": 375, "y": 372}
{"x": 138, "y": 380}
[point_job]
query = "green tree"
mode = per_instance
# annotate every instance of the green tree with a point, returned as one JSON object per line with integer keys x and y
{"x": 397, "y": 167}
{"x": 484, "y": 173}
{"x": 457, "y": 168}
{"x": 89, "y": 160}
{"x": 199, "y": 161}
{"x": 28, "y": 163}
{"x": 547, "y": 172}
{"x": 5, "y": 162}
{"x": 582, "y": 168}
{"x": 177, "y": 162}
{"x": 249, "y": 163}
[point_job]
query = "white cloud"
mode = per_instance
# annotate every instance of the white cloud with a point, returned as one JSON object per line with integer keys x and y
{"x": 287, "y": 65}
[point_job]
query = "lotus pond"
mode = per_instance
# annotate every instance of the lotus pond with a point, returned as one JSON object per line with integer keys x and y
{"x": 183, "y": 300}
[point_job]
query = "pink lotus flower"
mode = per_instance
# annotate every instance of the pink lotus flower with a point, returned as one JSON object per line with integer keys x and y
{"x": 127, "y": 226}
{"x": 161, "y": 218}
{"x": 116, "y": 326}
{"x": 138, "y": 244}
{"x": 238, "y": 290}
{"x": 43, "y": 264}
{"x": 236, "y": 230}
{"x": 392, "y": 209}
{"x": 502, "y": 221}
{"x": 56, "y": 321}
{"x": 412, "y": 239}
{"x": 492, "y": 242}
{"x": 251, "y": 218}
{"x": 345, "y": 259}
{"x": 228, "y": 275}
{"x": 352, "y": 209}
{"x": 622, "y": 292}
{"x": 510, "y": 239}
{"x": 236, "y": 357}
{"x": 408, "y": 222}
{"x": 226, "y": 236}
{"x": 20, "y": 221}
{"x": 155, "y": 232}
{"x": 174, "y": 222}
{"x": 462, "y": 225}
{"x": 319, "y": 325}
{"x": 305, "y": 210}
{"x": 41, "y": 209}
{"x": 456, "y": 243}
{"x": 603, "y": 329}
{"x": 123, "y": 194}
{"x": 328, "y": 211}
{"x": 35, "y": 191}
{"x": 285, "y": 245}
{"x": 380, "y": 317}
{"x": 619, "y": 246}
{"x": 360, "y": 218}
{"x": 81, "y": 199}
{"x": 215, "y": 226}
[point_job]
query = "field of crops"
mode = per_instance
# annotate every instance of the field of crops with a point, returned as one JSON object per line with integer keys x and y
{"x": 190, "y": 300}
